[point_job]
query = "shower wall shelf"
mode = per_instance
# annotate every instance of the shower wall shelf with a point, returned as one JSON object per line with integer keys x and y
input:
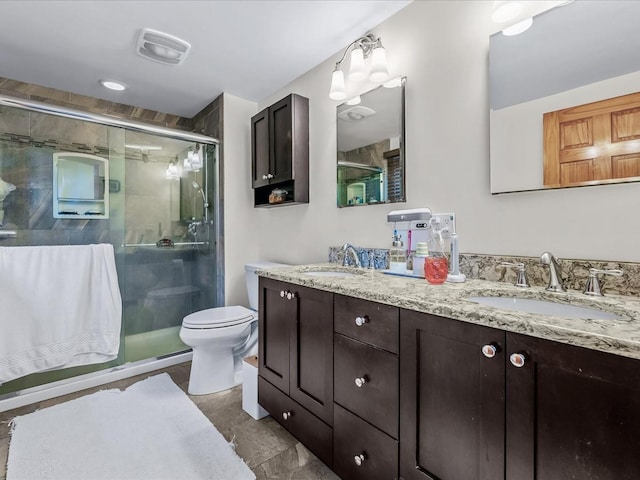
{"x": 79, "y": 181}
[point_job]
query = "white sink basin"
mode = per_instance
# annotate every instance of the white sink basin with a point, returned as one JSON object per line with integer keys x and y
{"x": 543, "y": 307}
{"x": 330, "y": 273}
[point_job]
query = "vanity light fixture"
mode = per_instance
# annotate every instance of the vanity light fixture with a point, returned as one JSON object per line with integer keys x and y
{"x": 504, "y": 11}
{"x": 113, "y": 85}
{"x": 193, "y": 161}
{"x": 172, "y": 172}
{"x": 362, "y": 48}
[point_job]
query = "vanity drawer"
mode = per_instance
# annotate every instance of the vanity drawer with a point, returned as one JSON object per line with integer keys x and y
{"x": 355, "y": 437}
{"x": 316, "y": 435}
{"x": 381, "y": 322}
{"x": 376, "y": 400}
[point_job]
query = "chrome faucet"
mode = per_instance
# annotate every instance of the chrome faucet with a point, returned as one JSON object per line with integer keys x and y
{"x": 346, "y": 248}
{"x": 555, "y": 276}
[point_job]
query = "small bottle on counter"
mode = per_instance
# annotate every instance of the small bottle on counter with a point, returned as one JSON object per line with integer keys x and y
{"x": 397, "y": 255}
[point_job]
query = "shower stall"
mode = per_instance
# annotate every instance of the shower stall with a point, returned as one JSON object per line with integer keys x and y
{"x": 151, "y": 192}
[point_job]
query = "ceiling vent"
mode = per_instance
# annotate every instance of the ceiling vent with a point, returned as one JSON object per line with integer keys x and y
{"x": 162, "y": 47}
{"x": 354, "y": 114}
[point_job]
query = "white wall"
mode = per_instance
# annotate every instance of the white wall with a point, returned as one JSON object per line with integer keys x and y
{"x": 240, "y": 240}
{"x": 442, "y": 48}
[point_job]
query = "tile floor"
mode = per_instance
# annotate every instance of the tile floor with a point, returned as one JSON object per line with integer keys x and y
{"x": 267, "y": 448}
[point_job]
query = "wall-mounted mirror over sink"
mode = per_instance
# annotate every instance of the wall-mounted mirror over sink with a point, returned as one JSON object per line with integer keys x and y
{"x": 371, "y": 154}
{"x": 573, "y": 58}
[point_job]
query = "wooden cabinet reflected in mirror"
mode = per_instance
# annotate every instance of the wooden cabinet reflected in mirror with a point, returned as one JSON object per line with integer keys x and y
{"x": 370, "y": 157}
{"x": 572, "y": 58}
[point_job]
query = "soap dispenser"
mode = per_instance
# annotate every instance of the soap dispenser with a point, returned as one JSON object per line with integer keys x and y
{"x": 397, "y": 255}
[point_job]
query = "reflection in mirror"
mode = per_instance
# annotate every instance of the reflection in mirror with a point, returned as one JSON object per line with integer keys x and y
{"x": 572, "y": 56}
{"x": 168, "y": 186}
{"x": 371, "y": 147}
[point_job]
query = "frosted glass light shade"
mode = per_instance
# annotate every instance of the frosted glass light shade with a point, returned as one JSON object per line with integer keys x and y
{"x": 379, "y": 72}
{"x": 518, "y": 28}
{"x": 357, "y": 70}
{"x": 337, "y": 91}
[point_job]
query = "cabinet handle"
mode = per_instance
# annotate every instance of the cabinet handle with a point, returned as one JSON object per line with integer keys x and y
{"x": 359, "y": 459}
{"x": 287, "y": 415}
{"x": 489, "y": 350}
{"x": 360, "y": 381}
{"x": 517, "y": 359}
{"x": 360, "y": 321}
{"x": 291, "y": 295}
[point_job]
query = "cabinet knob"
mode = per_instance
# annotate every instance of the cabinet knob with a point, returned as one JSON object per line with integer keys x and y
{"x": 291, "y": 295}
{"x": 517, "y": 359}
{"x": 283, "y": 293}
{"x": 360, "y": 321}
{"x": 359, "y": 459}
{"x": 360, "y": 381}
{"x": 269, "y": 176}
{"x": 264, "y": 177}
{"x": 287, "y": 415}
{"x": 489, "y": 350}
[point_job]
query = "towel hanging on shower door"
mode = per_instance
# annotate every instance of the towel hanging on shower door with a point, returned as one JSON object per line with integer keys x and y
{"x": 60, "y": 306}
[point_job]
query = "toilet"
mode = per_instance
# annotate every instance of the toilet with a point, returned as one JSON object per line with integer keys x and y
{"x": 220, "y": 337}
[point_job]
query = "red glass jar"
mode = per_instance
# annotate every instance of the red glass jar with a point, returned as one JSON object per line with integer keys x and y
{"x": 436, "y": 269}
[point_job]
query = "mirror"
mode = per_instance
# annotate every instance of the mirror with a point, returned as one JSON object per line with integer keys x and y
{"x": 573, "y": 55}
{"x": 371, "y": 150}
{"x": 79, "y": 181}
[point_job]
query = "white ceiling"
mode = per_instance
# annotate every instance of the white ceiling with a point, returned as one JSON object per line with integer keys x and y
{"x": 247, "y": 48}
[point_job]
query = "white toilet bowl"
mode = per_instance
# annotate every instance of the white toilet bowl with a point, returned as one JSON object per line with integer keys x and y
{"x": 221, "y": 337}
{"x": 215, "y": 335}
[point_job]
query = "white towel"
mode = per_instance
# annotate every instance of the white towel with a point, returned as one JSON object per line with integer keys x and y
{"x": 60, "y": 306}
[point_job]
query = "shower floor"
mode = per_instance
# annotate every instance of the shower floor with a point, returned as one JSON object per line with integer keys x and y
{"x": 152, "y": 344}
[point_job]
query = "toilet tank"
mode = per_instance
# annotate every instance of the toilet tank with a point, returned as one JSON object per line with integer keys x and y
{"x": 252, "y": 280}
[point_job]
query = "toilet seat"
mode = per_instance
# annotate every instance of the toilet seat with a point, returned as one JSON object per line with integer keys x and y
{"x": 219, "y": 317}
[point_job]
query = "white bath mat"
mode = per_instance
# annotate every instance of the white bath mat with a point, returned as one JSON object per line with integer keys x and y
{"x": 150, "y": 431}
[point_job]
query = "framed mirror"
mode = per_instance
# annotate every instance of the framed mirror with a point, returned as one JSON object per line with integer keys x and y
{"x": 572, "y": 59}
{"x": 371, "y": 153}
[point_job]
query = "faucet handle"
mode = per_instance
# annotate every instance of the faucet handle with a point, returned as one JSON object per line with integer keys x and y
{"x": 521, "y": 279}
{"x": 592, "y": 287}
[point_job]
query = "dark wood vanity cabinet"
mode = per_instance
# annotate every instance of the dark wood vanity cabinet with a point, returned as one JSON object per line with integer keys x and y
{"x": 571, "y": 413}
{"x": 550, "y": 412}
{"x": 280, "y": 151}
{"x": 366, "y": 389}
{"x": 452, "y": 399}
{"x": 296, "y": 361}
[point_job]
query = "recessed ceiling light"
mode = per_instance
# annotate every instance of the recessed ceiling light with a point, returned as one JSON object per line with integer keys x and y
{"x": 113, "y": 85}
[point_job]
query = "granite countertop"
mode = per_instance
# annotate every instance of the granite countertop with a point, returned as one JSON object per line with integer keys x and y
{"x": 620, "y": 336}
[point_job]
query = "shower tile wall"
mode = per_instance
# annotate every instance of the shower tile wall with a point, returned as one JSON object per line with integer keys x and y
{"x": 27, "y": 143}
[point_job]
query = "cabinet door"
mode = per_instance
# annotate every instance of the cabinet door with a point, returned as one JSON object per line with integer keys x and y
{"x": 572, "y": 413}
{"x": 277, "y": 316}
{"x": 312, "y": 352}
{"x": 451, "y": 400}
{"x": 280, "y": 134}
{"x": 260, "y": 148}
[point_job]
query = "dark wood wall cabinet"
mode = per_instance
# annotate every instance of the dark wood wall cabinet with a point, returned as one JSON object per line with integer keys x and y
{"x": 280, "y": 152}
{"x": 379, "y": 392}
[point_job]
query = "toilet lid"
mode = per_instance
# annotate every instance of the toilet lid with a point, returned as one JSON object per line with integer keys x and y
{"x": 219, "y": 317}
